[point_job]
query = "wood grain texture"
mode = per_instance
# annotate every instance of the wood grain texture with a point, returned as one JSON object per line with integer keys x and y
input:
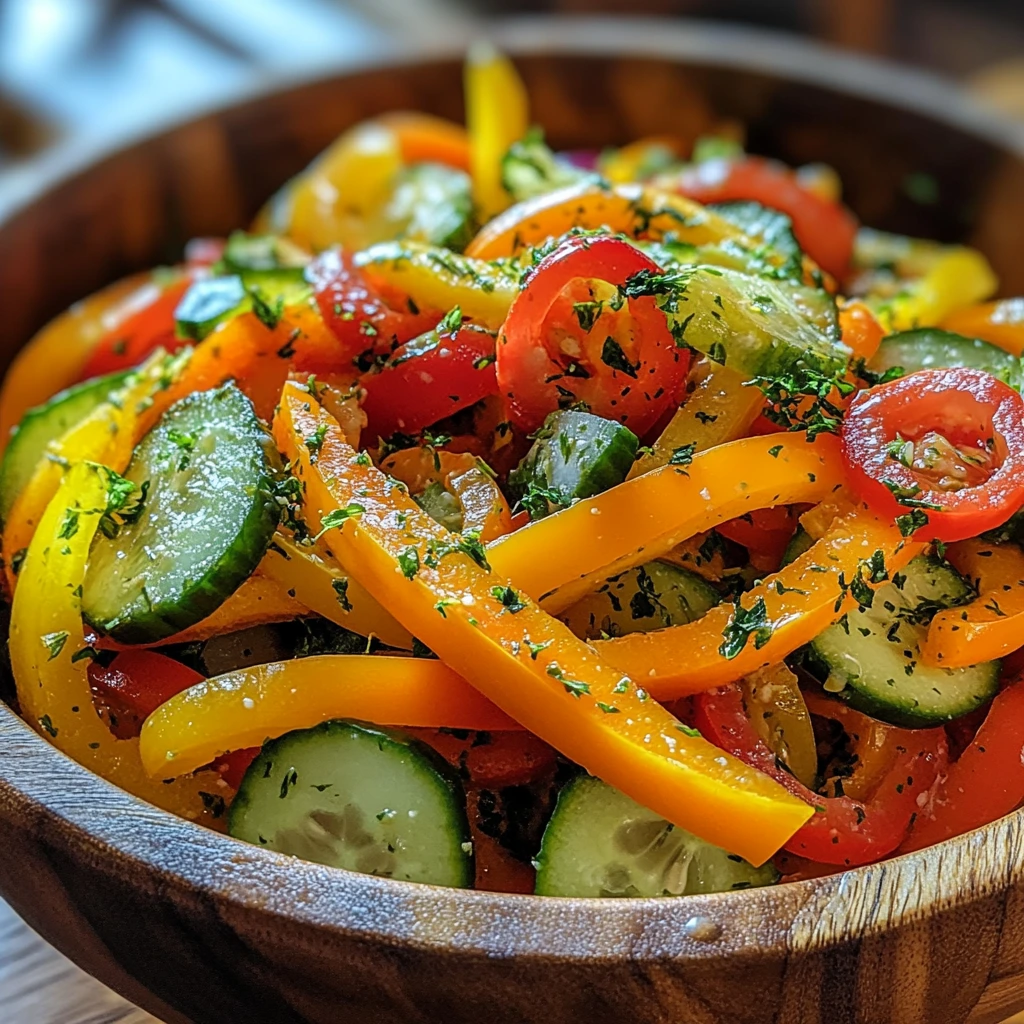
{"x": 199, "y": 928}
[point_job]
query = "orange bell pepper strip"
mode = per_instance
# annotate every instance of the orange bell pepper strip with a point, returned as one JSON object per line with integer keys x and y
{"x": 244, "y": 708}
{"x": 559, "y": 559}
{"x": 497, "y": 114}
{"x": 991, "y": 626}
{"x": 435, "y": 278}
{"x": 53, "y": 359}
{"x": 522, "y": 659}
{"x": 50, "y": 658}
{"x": 999, "y": 323}
{"x": 768, "y": 622}
{"x": 633, "y": 210}
{"x": 325, "y": 588}
{"x": 424, "y": 138}
{"x": 485, "y": 511}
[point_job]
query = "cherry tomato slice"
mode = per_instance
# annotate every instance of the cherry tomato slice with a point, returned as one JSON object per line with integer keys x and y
{"x": 963, "y": 474}
{"x": 148, "y": 327}
{"x": 429, "y": 378}
{"x": 553, "y": 352}
{"x": 356, "y": 313}
{"x": 825, "y": 230}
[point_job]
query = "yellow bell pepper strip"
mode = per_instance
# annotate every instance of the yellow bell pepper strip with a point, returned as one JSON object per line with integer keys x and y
{"x": 559, "y": 559}
{"x": 991, "y": 626}
{"x": 50, "y": 658}
{"x": 54, "y": 358}
{"x": 107, "y": 436}
{"x": 323, "y": 586}
{"x": 485, "y": 511}
{"x": 957, "y": 277}
{"x": 522, "y": 659}
{"x": 243, "y": 708}
{"x": 780, "y": 717}
{"x": 497, "y": 114}
{"x": 259, "y": 600}
{"x": 720, "y": 408}
{"x": 641, "y": 158}
{"x": 633, "y": 210}
{"x": 770, "y": 621}
{"x": 435, "y": 278}
{"x": 1001, "y": 323}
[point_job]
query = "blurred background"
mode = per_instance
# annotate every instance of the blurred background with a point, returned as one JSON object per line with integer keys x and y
{"x": 93, "y": 71}
{"x": 102, "y": 68}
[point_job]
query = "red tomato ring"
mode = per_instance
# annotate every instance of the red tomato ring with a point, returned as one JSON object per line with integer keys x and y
{"x": 966, "y": 406}
{"x": 537, "y": 379}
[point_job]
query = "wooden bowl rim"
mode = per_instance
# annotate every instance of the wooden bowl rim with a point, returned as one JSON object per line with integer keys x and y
{"x": 83, "y": 815}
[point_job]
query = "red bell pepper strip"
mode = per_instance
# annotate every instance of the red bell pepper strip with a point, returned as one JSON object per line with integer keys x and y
{"x": 428, "y": 378}
{"x": 621, "y": 361}
{"x": 844, "y": 831}
{"x": 941, "y": 449}
{"x": 824, "y": 229}
{"x": 357, "y": 314}
{"x": 984, "y": 783}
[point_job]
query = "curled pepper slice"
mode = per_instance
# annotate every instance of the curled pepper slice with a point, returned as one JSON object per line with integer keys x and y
{"x": 244, "y": 708}
{"x": 771, "y": 620}
{"x": 559, "y": 559}
{"x": 842, "y": 831}
{"x": 991, "y": 626}
{"x": 524, "y": 660}
{"x": 50, "y": 658}
{"x": 1001, "y": 323}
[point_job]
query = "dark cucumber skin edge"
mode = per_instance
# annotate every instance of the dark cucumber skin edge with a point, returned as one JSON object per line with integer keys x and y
{"x": 258, "y": 772}
{"x": 133, "y": 624}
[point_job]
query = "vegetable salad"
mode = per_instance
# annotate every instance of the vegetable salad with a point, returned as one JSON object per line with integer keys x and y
{"x": 632, "y": 523}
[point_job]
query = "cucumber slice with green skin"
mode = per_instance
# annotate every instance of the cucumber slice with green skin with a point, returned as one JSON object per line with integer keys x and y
{"x": 872, "y": 658}
{"x": 772, "y": 227}
{"x": 211, "y": 301}
{"x": 651, "y": 596}
{"x": 575, "y": 455}
{"x": 748, "y": 322}
{"x": 46, "y": 423}
{"x": 262, "y": 254}
{"x": 208, "y": 515}
{"x": 530, "y": 168}
{"x": 800, "y": 542}
{"x": 929, "y": 348}
{"x": 358, "y": 797}
{"x": 599, "y": 842}
{"x": 433, "y": 203}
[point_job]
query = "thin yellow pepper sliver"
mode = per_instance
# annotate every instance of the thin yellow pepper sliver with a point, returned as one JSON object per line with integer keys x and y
{"x": 244, "y": 708}
{"x": 528, "y": 663}
{"x": 559, "y": 559}
{"x": 49, "y": 655}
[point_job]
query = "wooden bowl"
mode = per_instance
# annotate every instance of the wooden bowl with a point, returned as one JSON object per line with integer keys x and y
{"x": 198, "y": 927}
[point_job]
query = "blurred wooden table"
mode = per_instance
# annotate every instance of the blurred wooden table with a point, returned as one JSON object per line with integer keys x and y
{"x": 39, "y": 986}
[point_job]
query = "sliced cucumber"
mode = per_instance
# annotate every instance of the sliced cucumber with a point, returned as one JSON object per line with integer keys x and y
{"x": 252, "y": 255}
{"x": 651, "y": 596}
{"x": 763, "y": 224}
{"x": 530, "y": 168}
{"x": 211, "y": 301}
{"x": 576, "y": 455}
{"x": 433, "y": 203}
{"x": 800, "y": 542}
{"x": 206, "y": 520}
{"x": 749, "y": 322}
{"x": 929, "y": 348}
{"x": 599, "y": 842}
{"x": 43, "y": 424}
{"x": 358, "y": 797}
{"x": 872, "y": 658}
